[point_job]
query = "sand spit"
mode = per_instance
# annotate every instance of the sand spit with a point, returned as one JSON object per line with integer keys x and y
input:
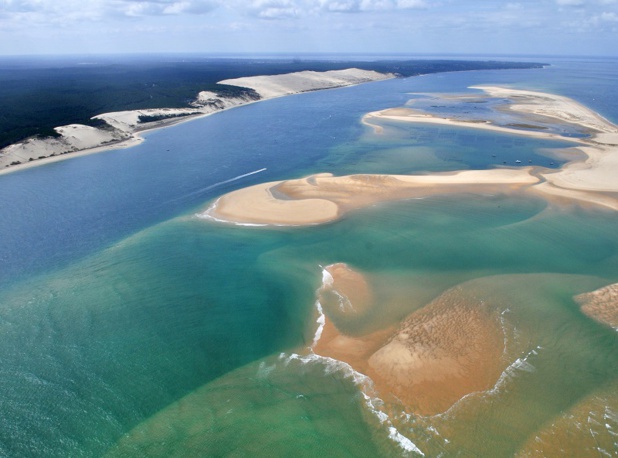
{"x": 602, "y": 305}
{"x": 323, "y": 197}
{"x": 123, "y": 128}
{"x": 588, "y": 180}
{"x": 451, "y": 347}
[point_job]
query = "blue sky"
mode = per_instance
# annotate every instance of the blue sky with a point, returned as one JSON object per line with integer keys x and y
{"x": 583, "y": 27}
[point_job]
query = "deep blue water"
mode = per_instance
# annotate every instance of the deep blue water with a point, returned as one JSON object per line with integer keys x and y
{"x": 55, "y": 214}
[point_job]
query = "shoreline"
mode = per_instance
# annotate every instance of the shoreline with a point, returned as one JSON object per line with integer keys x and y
{"x": 323, "y": 198}
{"x": 586, "y": 180}
{"x": 126, "y": 129}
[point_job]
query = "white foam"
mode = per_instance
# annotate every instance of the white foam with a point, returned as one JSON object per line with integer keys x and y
{"x": 403, "y": 441}
{"x": 365, "y": 385}
{"x": 328, "y": 282}
{"x": 264, "y": 370}
{"x": 207, "y": 215}
{"x": 520, "y": 364}
{"x": 321, "y": 322}
{"x": 344, "y": 302}
{"x": 327, "y": 278}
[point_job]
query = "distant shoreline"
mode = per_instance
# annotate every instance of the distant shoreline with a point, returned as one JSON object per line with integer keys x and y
{"x": 324, "y": 198}
{"x": 120, "y": 129}
{"x": 126, "y": 127}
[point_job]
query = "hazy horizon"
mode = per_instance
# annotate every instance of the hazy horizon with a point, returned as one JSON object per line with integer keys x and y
{"x": 470, "y": 27}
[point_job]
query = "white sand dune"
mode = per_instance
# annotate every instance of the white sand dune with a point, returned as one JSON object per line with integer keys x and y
{"x": 294, "y": 83}
{"x": 125, "y": 126}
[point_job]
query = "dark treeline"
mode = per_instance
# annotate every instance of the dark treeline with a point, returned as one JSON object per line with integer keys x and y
{"x": 37, "y": 95}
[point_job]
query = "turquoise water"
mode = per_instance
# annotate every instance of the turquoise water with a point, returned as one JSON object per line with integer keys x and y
{"x": 132, "y": 327}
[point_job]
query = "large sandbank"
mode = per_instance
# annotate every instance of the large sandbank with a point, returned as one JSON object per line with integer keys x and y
{"x": 588, "y": 180}
{"x": 123, "y": 128}
{"x": 449, "y": 348}
{"x": 322, "y": 198}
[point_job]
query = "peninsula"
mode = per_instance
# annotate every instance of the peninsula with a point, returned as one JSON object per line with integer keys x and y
{"x": 97, "y": 107}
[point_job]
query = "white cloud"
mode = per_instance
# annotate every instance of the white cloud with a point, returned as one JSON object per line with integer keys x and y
{"x": 408, "y": 4}
{"x": 342, "y": 6}
{"x": 570, "y": 2}
{"x": 273, "y": 9}
{"x": 608, "y": 17}
{"x": 158, "y": 7}
{"x": 370, "y": 5}
{"x": 66, "y": 11}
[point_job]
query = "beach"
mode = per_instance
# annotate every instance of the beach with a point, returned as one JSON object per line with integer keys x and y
{"x": 322, "y": 198}
{"x": 123, "y": 129}
{"x": 443, "y": 306}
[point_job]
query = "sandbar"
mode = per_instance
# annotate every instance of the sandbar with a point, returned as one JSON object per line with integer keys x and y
{"x": 451, "y": 347}
{"x": 601, "y": 305}
{"x": 324, "y": 198}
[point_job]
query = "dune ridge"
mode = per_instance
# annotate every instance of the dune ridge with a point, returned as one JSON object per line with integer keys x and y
{"x": 123, "y": 128}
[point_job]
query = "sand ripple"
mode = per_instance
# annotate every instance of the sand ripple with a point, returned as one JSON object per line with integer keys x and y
{"x": 602, "y": 304}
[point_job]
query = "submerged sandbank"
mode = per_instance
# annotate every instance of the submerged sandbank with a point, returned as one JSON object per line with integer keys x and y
{"x": 123, "y": 128}
{"x": 449, "y": 348}
{"x": 322, "y": 198}
{"x": 602, "y": 305}
{"x": 590, "y": 179}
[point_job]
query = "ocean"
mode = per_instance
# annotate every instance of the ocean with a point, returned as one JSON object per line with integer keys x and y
{"x": 132, "y": 327}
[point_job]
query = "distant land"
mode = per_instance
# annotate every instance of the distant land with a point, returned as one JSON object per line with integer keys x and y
{"x": 51, "y": 106}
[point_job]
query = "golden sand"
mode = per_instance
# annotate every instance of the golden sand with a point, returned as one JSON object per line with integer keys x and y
{"x": 448, "y": 349}
{"x": 451, "y": 347}
{"x": 348, "y": 293}
{"x": 602, "y": 304}
{"x": 589, "y": 180}
{"x": 588, "y": 429}
{"x": 321, "y": 198}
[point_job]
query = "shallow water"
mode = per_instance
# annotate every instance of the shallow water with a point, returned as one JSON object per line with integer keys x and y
{"x": 124, "y": 313}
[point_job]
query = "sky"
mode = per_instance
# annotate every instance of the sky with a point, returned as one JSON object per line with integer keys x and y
{"x": 525, "y": 27}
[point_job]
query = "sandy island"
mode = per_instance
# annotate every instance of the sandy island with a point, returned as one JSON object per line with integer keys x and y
{"x": 323, "y": 198}
{"x": 124, "y": 127}
{"x": 451, "y": 347}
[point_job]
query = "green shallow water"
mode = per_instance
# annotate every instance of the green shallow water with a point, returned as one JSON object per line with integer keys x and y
{"x": 167, "y": 313}
{"x": 190, "y": 338}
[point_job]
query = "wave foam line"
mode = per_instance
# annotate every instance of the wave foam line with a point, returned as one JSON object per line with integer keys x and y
{"x": 365, "y": 384}
{"x": 519, "y": 365}
{"x": 321, "y": 321}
